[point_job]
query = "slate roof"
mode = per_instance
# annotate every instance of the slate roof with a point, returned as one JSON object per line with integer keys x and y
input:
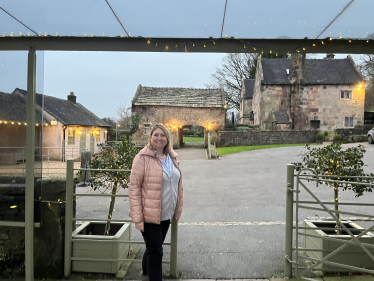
{"x": 248, "y": 88}
{"x": 13, "y": 108}
{"x": 65, "y": 111}
{"x": 186, "y": 97}
{"x": 317, "y": 71}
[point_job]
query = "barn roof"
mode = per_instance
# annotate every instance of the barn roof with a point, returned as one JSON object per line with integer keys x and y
{"x": 317, "y": 71}
{"x": 13, "y": 108}
{"x": 186, "y": 97}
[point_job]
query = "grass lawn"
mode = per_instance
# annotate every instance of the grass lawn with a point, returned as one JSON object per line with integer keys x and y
{"x": 193, "y": 139}
{"x": 235, "y": 149}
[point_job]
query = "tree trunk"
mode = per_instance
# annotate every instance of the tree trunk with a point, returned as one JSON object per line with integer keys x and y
{"x": 336, "y": 199}
{"x": 111, "y": 207}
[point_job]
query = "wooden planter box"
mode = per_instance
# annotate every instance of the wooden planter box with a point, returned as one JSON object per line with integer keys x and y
{"x": 98, "y": 249}
{"x": 351, "y": 255}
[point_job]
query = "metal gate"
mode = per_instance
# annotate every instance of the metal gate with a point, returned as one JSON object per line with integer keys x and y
{"x": 312, "y": 246}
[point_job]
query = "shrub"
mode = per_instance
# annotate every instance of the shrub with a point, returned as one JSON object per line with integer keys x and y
{"x": 337, "y": 137}
{"x": 326, "y": 134}
{"x": 340, "y": 166}
{"x": 319, "y": 136}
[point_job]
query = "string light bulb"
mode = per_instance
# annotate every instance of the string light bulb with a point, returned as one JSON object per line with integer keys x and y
{"x": 193, "y": 44}
{"x": 322, "y": 42}
{"x": 204, "y": 46}
{"x": 176, "y": 46}
{"x": 350, "y": 41}
{"x": 166, "y": 47}
{"x": 254, "y": 48}
{"x": 148, "y": 41}
{"x": 215, "y": 43}
{"x": 245, "y": 46}
{"x": 367, "y": 41}
{"x": 330, "y": 38}
{"x": 271, "y": 51}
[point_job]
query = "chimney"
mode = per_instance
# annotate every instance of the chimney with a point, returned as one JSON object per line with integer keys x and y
{"x": 72, "y": 98}
{"x": 297, "y": 68}
{"x": 329, "y": 56}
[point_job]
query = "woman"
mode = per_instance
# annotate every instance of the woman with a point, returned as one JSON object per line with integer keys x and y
{"x": 156, "y": 195}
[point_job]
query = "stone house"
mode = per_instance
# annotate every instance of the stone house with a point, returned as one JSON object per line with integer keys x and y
{"x": 246, "y": 97}
{"x": 63, "y": 128}
{"x": 305, "y": 94}
{"x": 176, "y": 108}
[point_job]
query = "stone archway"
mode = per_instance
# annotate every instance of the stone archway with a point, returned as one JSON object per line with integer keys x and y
{"x": 176, "y": 108}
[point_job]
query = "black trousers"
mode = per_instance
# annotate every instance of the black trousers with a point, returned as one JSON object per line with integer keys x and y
{"x": 154, "y": 236}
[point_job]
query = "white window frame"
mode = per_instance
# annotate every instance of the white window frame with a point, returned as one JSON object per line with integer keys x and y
{"x": 97, "y": 135}
{"x": 347, "y": 95}
{"x": 349, "y": 122}
{"x": 73, "y": 139}
{"x": 147, "y": 126}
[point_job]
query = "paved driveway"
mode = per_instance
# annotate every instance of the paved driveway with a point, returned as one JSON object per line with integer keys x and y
{"x": 232, "y": 225}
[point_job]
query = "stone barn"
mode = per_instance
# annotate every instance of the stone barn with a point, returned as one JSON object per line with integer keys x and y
{"x": 304, "y": 94}
{"x": 176, "y": 108}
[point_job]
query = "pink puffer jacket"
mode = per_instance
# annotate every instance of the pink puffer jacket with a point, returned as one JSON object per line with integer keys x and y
{"x": 145, "y": 188}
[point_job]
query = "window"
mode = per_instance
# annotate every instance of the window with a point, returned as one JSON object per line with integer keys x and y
{"x": 71, "y": 137}
{"x": 348, "y": 122}
{"x": 147, "y": 129}
{"x": 346, "y": 95}
{"x": 97, "y": 133}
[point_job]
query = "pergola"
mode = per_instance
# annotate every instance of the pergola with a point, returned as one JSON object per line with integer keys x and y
{"x": 222, "y": 26}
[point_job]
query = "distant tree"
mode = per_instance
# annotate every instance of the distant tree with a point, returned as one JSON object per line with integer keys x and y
{"x": 366, "y": 65}
{"x": 124, "y": 116}
{"x": 111, "y": 121}
{"x": 234, "y": 67}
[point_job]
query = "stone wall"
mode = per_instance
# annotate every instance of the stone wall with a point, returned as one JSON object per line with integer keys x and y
{"x": 48, "y": 238}
{"x": 266, "y": 137}
{"x": 175, "y": 117}
{"x": 356, "y": 134}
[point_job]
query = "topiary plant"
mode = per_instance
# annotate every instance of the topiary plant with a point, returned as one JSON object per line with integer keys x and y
{"x": 333, "y": 163}
{"x": 326, "y": 134}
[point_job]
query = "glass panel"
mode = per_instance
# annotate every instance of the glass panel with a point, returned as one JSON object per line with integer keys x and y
{"x": 194, "y": 18}
{"x": 13, "y": 124}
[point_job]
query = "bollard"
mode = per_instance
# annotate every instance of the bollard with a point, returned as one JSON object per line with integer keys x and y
{"x": 68, "y": 216}
{"x": 173, "y": 248}
{"x": 289, "y": 221}
{"x": 209, "y": 147}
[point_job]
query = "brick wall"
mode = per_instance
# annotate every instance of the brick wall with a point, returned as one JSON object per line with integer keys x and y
{"x": 266, "y": 137}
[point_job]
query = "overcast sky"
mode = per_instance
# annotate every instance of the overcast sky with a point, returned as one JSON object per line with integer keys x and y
{"x": 103, "y": 80}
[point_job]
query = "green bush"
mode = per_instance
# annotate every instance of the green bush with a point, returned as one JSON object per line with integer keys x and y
{"x": 320, "y": 136}
{"x": 337, "y": 137}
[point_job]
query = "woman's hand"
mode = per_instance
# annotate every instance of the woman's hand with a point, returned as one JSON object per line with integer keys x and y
{"x": 140, "y": 226}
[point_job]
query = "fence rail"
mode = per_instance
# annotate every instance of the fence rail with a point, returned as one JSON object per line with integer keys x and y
{"x": 70, "y": 194}
{"x": 302, "y": 261}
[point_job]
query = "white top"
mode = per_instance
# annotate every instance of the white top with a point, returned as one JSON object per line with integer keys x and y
{"x": 169, "y": 193}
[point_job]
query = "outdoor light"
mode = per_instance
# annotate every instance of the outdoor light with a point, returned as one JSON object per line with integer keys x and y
{"x": 1, "y": 122}
{"x": 215, "y": 43}
{"x": 204, "y": 46}
{"x": 271, "y": 51}
{"x": 360, "y": 85}
{"x": 350, "y": 41}
{"x": 14, "y": 206}
{"x": 330, "y": 39}
{"x": 245, "y": 46}
{"x": 367, "y": 41}
{"x": 37, "y": 124}
{"x": 80, "y": 132}
{"x": 254, "y": 48}
{"x": 12, "y": 123}
{"x": 5, "y": 122}
{"x": 176, "y": 45}
{"x": 20, "y": 123}
{"x": 148, "y": 41}
{"x": 304, "y": 49}
{"x": 314, "y": 45}
{"x": 225, "y": 106}
{"x": 322, "y": 42}
{"x": 25, "y": 124}
{"x": 166, "y": 48}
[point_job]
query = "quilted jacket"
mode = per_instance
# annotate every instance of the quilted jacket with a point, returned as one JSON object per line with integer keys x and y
{"x": 145, "y": 188}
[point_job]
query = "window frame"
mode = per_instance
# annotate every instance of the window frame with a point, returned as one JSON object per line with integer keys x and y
{"x": 98, "y": 135}
{"x": 349, "y": 121}
{"x": 146, "y": 125}
{"x": 71, "y": 142}
{"x": 347, "y": 95}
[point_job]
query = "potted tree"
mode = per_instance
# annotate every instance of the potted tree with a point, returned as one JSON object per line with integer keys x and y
{"x": 118, "y": 155}
{"x": 337, "y": 138}
{"x": 319, "y": 138}
{"x": 330, "y": 161}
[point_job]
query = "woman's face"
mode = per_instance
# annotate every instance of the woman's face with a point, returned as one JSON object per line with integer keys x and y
{"x": 158, "y": 139}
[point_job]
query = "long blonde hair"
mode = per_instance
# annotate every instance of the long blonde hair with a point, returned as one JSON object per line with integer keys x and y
{"x": 168, "y": 147}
